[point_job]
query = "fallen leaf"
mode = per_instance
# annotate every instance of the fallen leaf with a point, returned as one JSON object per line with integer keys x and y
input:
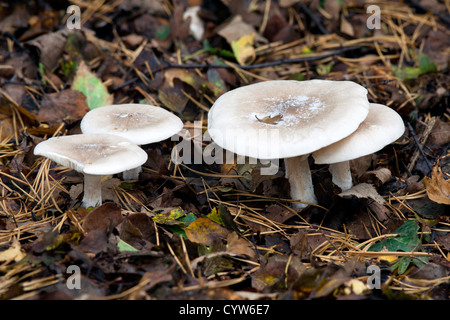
{"x": 270, "y": 120}
{"x": 67, "y": 105}
{"x": 170, "y": 217}
{"x": 243, "y": 49}
{"x": 365, "y": 191}
{"x": 106, "y": 216}
{"x": 240, "y": 246}
{"x": 376, "y": 177}
{"x": 278, "y": 270}
{"x": 13, "y": 253}
{"x": 205, "y": 231}
{"x": 438, "y": 189}
{"x": 92, "y": 87}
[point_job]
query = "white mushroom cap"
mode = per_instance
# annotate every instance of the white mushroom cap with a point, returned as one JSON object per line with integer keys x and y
{"x": 302, "y": 117}
{"x": 288, "y": 119}
{"x": 94, "y": 154}
{"x": 381, "y": 127}
{"x": 140, "y": 123}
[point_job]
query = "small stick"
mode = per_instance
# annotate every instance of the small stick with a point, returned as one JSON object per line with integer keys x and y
{"x": 420, "y": 145}
{"x": 168, "y": 65}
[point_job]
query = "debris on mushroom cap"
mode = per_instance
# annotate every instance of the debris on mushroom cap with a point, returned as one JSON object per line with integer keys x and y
{"x": 286, "y": 118}
{"x": 139, "y": 123}
{"x": 381, "y": 127}
{"x": 95, "y": 154}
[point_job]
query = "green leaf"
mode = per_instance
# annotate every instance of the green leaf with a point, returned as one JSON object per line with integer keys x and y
{"x": 92, "y": 87}
{"x": 407, "y": 73}
{"x": 163, "y": 32}
{"x": 407, "y": 239}
{"x": 426, "y": 65}
{"x": 123, "y": 246}
{"x": 410, "y": 73}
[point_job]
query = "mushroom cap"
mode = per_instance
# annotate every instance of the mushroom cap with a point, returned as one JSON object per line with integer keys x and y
{"x": 96, "y": 154}
{"x": 381, "y": 127}
{"x": 286, "y": 118}
{"x": 140, "y": 123}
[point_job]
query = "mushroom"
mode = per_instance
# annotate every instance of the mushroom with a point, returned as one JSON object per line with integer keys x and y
{"x": 381, "y": 127}
{"x": 93, "y": 155}
{"x": 140, "y": 123}
{"x": 288, "y": 119}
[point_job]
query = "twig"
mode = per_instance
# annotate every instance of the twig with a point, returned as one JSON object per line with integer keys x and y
{"x": 420, "y": 145}
{"x": 313, "y": 17}
{"x": 168, "y": 65}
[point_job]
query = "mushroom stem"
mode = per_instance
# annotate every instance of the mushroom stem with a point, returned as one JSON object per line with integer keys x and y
{"x": 92, "y": 191}
{"x": 132, "y": 174}
{"x": 299, "y": 175}
{"x": 341, "y": 175}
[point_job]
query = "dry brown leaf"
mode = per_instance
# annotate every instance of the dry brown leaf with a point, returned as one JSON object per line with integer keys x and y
{"x": 69, "y": 105}
{"x": 376, "y": 177}
{"x": 363, "y": 190}
{"x": 239, "y": 246}
{"x": 108, "y": 215}
{"x": 13, "y": 253}
{"x": 438, "y": 189}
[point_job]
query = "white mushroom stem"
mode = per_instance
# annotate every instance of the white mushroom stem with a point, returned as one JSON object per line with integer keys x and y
{"x": 341, "y": 175}
{"x": 299, "y": 175}
{"x": 132, "y": 174}
{"x": 92, "y": 191}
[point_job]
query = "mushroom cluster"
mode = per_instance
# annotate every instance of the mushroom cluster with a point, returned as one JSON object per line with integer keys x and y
{"x": 331, "y": 121}
{"x": 110, "y": 144}
{"x": 286, "y": 119}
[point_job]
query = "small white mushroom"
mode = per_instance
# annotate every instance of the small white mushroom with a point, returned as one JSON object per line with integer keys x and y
{"x": 140, "y": 123}
{"x": 287, "y": 119}
{"x": 93, "y": 155}
{"x": 381, "y": 127}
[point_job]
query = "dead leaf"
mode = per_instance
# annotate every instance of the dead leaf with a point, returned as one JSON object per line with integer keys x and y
{"x": 364, "y": 191}
{"x": 205, "y": 231}
{"x": 240, "y": 246}
{"x": 438, "y": 189}
{"x": 106, "y": 216}
{"x": 376, "y": 177}
{"x": 13, "y": 253}
{"x": 236, "y": 29}
{"x": 243, "y": 49}
{"x": 270, "y": 120}
{"x": 67, "y": 105}
{"x": 49, "y": 47}
{"x": 440, "y": 134}
{"x": 277, "y": 271}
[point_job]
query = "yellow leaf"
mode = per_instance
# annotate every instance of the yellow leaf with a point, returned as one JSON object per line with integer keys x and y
{"x": 205, "y": 231}
{"x": 438, "y": 189}
{"x": 243, "y": 49}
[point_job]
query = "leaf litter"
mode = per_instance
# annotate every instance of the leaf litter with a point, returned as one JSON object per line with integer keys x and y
{"x": 210, "y": 231}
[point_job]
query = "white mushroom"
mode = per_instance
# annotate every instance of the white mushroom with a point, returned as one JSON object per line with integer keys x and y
{"x": 288, "y": 119}
{"x": 140, "y": 123}
{"x": 381, "y": 127}
{"x": 93, "y": 155}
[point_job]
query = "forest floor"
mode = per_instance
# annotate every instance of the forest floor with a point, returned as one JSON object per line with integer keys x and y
{"x": 213, "y": 232}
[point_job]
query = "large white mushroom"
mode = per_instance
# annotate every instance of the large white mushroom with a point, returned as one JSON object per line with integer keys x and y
{"x": 140, "y": 123}
{"x": 288, "y": 119}
{"x": 93, "y": 155}
{"x": 381, "y": 127}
